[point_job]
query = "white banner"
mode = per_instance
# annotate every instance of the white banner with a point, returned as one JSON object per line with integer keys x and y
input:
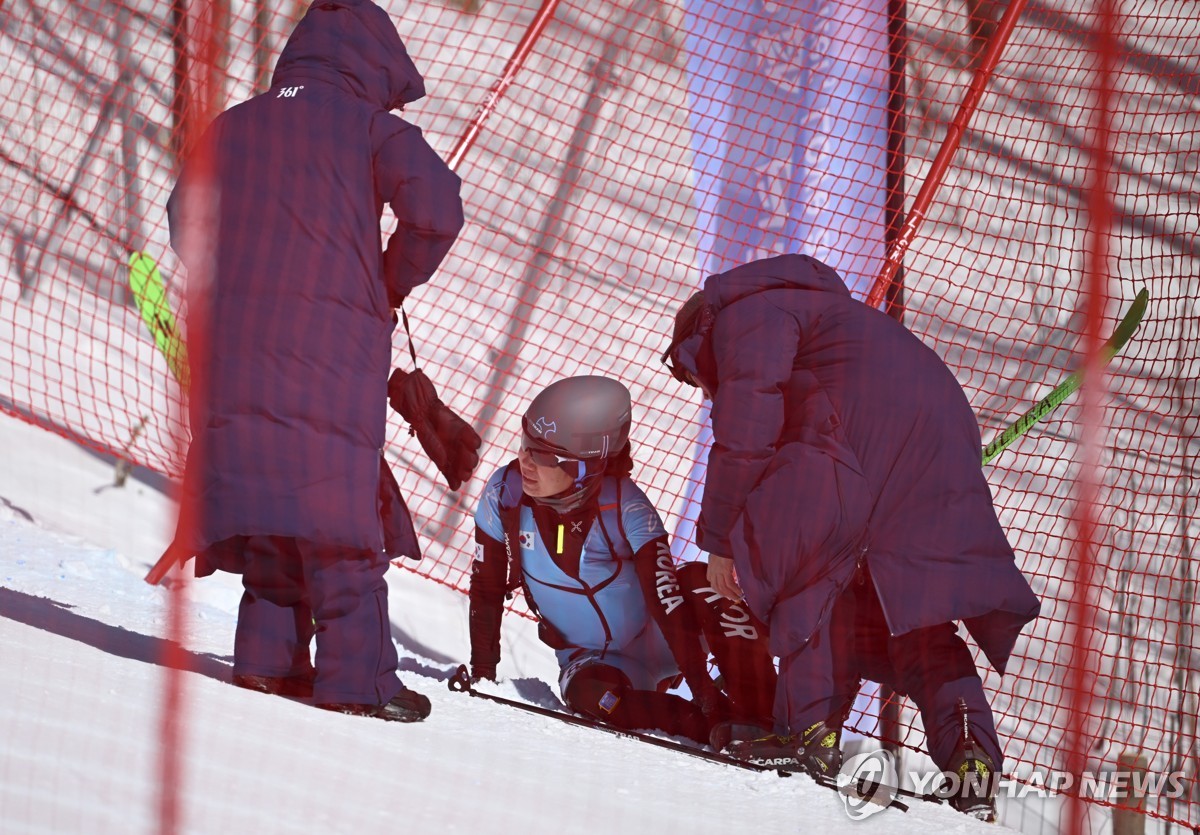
{"x": 789, "y": 124}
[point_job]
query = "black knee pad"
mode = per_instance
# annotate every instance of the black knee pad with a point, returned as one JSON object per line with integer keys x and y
{"x": 596, "y": 690}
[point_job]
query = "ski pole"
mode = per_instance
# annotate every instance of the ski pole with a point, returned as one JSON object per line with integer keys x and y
{"x": 460, "y": 682}
{"x": 862, "y": 787}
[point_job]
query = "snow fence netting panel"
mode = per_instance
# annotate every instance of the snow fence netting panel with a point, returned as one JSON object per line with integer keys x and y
{"x": 620, "y": 152}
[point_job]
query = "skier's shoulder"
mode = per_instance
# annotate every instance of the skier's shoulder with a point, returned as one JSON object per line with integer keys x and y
{"x": 639, "y": 517}
{"x": 625, "y": 490}
{"x": 501, "y": 493}
{"x": 503, "y": 487}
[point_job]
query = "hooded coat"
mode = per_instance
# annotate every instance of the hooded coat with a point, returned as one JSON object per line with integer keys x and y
{"x": 840, "y": 440}
{"x": 288, "y": 410}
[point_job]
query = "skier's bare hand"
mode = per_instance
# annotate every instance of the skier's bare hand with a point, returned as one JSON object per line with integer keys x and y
{"x": 723, "y": 578}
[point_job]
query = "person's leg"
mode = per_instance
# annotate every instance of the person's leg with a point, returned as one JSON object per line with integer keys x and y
{"x": 818, "y": 682}
{"x": 356, "y": 659}
{"x": 810, "y": 706}
{"x": 870, "y": 655}
{"x": 274, "y": 627}
{"x": 738, "y": 642}
{"x": 605, "y": 693}
{"x": 817, "y": 685}
{"x": 935, "y": 668}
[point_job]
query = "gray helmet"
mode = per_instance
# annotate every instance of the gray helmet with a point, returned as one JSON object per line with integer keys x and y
{"x": 579, "y": 417}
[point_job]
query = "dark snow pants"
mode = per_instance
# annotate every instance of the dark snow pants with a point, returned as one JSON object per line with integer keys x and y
{"x": 291, "y": 583}
{"x": 932, "y": 666}
{"x": 738, "y": 643}
{"x": 605, "y": 692}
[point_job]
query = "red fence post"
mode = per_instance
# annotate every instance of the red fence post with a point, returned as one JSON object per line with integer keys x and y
{"x": 933, "y": 182}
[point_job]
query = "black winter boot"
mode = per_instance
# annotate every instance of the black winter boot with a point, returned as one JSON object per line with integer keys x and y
{"x": 405, "y": 706}
{"x": 293, "y": 687}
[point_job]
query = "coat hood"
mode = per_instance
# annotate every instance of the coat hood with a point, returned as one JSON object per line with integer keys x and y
{"x": 796, "y": 272}
{"x": 355, "y": 45}
{"x": 693, "y": 352}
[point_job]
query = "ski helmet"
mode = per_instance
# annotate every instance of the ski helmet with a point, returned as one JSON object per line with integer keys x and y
{"x": 579, "y": 417}
{"x": 577, "y": 424}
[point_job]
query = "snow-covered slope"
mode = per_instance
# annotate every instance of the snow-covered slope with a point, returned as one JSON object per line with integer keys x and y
{"x": 82, "y": 692}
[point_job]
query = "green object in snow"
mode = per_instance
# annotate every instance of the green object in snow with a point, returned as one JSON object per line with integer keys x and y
{"x": 1129, "y": 323}
{"x": 147, "y": 285}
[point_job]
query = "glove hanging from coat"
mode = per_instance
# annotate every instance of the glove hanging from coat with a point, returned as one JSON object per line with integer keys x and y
{"x": 449, "y": 441}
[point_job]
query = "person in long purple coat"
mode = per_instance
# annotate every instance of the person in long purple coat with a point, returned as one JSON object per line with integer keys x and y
{"x": 844, "y": 498}
{"x": 281, "y": 207}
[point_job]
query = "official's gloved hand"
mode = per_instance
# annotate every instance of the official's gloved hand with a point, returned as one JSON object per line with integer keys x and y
{"x": 449, "y": 441}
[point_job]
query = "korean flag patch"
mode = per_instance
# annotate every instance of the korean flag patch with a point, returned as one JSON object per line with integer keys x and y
{"x": 527, "y": 540}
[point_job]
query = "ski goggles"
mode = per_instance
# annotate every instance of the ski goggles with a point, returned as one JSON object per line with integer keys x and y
{"x": 545, "y": 458}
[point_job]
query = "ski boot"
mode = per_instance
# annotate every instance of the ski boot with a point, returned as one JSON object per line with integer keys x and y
{"x": 817, "y": 751}
{"x": 736, "y": 730}
{"x": 972, "y": 776}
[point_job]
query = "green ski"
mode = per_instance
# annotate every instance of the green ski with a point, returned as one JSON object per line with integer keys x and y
{"x": 1129, "y": 323}
{"x": 146, "y": 282}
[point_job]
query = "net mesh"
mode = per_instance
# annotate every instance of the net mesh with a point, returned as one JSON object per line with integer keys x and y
{"x": 614, "y": 154}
